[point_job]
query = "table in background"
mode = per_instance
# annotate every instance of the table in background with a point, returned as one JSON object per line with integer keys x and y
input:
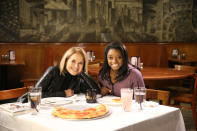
{"x": 154, "y": 76}
{"x": 159, "y": 73}
{"x": 174, "y": 61}
{"x": 3, "y": 67}
{"x": 154, "y": 73}
{"x": 160, "y": 118}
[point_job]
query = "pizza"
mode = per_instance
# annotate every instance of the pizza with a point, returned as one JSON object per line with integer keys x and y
{"x": 117, "y": 100}
{"x": 87, "y": 113}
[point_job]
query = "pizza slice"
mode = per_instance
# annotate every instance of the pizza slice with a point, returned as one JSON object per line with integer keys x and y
{"x": 117, "y": 100}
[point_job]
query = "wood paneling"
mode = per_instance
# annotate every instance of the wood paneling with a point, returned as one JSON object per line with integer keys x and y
{"x": 41, "y": 55}
{"x": 154, "y": 56}
{"x": 33, "y": 56}
{"x": 190, "y": 49}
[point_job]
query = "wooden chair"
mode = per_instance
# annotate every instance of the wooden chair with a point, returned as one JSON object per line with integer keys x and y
{"x": 95, "y": 65}
{"x": 162, "y": 96}
{"x": 189, "y": 98}
{"x": 182, "y": 85}
{"x": 185, "y": 85}
{"x": 12, "y": 93}
{"x": 29, "y": 82}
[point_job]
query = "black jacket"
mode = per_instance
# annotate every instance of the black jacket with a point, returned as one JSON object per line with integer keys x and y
{"x": 53, "y": 84}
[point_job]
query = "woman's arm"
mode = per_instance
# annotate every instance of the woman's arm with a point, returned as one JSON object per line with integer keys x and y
{"x": 88, "y": 82}
{"x": 47, "y": 82}
{"x": 104, "y": 89}
{"x": 45, "y": 78}
{"x": 137, "y": 79}
{"x": 43, "y": 82}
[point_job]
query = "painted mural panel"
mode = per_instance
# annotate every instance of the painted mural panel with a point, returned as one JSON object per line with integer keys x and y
{"x": 98, "y": 20}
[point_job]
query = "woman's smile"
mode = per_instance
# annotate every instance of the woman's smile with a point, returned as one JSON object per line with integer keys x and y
{"x": 114, "y": 59}
{"x": 75, "y": 64}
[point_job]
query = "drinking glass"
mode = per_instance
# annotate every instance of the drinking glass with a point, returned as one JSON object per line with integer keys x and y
{"x": 92, "y": 58}
{"x": 4, "y": 58}
{"x": 91, "y": 96}
{"x": 126, "y": 98}
{"x": 34, "y": 98}
{"x": 140, "y": 95}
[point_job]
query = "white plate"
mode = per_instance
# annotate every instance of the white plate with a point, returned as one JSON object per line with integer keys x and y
{"x": 108, "y": 100}
{"x": 86, "y": 106}
{"x": 80, "y": 97}
{"x": 55, "y": 101}
{"x": 150, "y": 104}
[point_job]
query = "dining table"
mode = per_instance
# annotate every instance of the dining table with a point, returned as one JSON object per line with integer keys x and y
{"x": 153, "y": 117}
{"x": 164, "y": 73}
{"x": 4, "y": 69}
{"x": 182, "y": 61}
{"x": 154, "y": 73}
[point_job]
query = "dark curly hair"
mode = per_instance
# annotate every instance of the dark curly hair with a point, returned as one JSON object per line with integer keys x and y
{"x": 123, "y": 71}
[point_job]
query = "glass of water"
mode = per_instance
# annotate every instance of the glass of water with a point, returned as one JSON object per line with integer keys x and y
{"x": 140, "y": 95}
{"x": 34, "y": 98}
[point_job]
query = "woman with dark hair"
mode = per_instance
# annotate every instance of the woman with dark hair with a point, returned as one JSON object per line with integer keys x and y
{"x": 117, "y": 72}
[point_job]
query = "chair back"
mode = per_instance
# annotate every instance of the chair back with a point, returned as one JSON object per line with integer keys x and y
{"x": 194, "y": 97}
{"x": 194, "y": 101}
{"x": 12, "y": 93}
{"x": 187, "y": 83}
{"x": 95, "y": 65}
{"x": 188, "y": 98}
{"x": 29, "y": 82}
{"x": 160, "y": 95}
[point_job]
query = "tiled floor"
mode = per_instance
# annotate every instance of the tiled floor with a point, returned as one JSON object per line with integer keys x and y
{"x": 189, "y": 123}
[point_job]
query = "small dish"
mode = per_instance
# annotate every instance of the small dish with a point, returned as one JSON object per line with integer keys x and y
{"x": 110, "y": 100}
{"x": 55, "y": 101}
{"x": 150, "y": 104}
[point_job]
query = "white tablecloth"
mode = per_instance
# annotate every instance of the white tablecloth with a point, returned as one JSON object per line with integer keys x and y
{"x": 160, "y": 118}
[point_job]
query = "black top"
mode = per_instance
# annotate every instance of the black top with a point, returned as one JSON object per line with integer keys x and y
{"x": 53, "y": 84}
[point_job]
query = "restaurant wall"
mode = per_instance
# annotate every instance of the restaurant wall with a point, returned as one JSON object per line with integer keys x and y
{"x": 38, "y": 56}
{"x": 32, "y": 55}
{"x": 98, "y": 20}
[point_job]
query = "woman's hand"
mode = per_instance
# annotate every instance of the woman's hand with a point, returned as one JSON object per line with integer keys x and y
{"x": 69, "y": 92}
{"x": 105, "y": 91}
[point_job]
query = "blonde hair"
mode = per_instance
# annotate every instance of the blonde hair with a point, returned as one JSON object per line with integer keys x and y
{"x": 69, "y": 53}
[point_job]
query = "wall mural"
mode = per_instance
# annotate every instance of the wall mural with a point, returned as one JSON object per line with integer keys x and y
{"x": 98, "y": 20}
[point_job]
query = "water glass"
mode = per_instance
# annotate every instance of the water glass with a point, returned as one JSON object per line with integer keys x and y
{"x": 34, "y": 98}
{"x": 140, "y": 94}
{"x": 126, "y": 98}
{"x": 5, "y": 58}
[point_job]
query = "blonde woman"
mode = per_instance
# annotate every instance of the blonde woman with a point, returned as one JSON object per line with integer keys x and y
{"x": 69, "y": 78}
